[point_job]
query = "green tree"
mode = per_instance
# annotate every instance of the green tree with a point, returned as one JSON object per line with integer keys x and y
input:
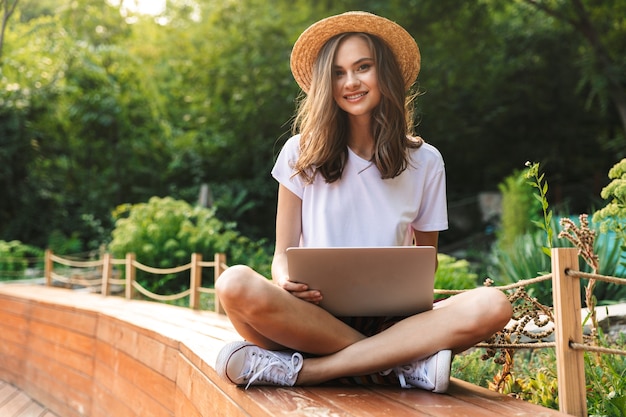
{"x": 603, "y": 26}
{"x": 83, "y": 129}
{"x": 8, "y": 8}
{"x": 225, "y": 74}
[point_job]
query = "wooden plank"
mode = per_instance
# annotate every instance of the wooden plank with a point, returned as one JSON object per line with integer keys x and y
{"x": 7, "y": 391}
{"x": 140, "y": 375}
{"x": 64, "y": 337}
{"x": 57, "y": 396}
{"x": 49, "y": 374}
{"x": 567, "y": 305}
{"x": 32, "y": 409}
{"x": 130, "y": 395}
{"x": 158, "y": 353}
{"x": 496, "y": 402}
{"x": 67, "y": 358}
{"x": 15, "y": 404}
{"x": 105, "y": 404}
{"x": 78, "y": 321}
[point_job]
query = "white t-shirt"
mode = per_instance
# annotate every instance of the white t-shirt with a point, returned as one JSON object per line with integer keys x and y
{"x": 362, "y": 209}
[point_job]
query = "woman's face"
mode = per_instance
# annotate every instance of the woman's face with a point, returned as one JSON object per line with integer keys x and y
{"x": 355, "y": 78}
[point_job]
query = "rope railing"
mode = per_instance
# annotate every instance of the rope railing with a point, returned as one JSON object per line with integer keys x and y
{"x": 103, "y": 276}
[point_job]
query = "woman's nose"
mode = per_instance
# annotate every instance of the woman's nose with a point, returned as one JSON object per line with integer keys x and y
{"x": 353, "y": 80}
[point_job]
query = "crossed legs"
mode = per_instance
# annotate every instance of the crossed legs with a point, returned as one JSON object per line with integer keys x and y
{"x": 273, "y": 319}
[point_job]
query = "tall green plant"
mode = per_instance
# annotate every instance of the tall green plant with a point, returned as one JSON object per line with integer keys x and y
{"x": 536, "y": 179}
{"x": 518, "y": 209}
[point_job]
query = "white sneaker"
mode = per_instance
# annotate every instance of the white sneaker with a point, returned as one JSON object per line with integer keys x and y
{"x": 431, "y": 374}
{"x": 243, "y": 363}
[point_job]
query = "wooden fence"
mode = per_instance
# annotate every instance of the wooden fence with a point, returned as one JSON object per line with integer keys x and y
{"x": 565, "y": 278}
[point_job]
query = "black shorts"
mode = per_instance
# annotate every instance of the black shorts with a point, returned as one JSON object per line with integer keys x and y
{"x": 369, "y": 326}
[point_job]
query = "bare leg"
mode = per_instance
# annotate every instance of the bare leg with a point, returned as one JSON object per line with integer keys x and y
{"x": 458, "y": 324}
{"x": 272, "y": 318}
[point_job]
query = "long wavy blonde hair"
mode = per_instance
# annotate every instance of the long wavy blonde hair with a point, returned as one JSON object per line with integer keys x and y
{"x": 324, "y": 128}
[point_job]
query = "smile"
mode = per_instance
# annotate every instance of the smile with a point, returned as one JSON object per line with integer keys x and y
{"x": 355, "y": 96}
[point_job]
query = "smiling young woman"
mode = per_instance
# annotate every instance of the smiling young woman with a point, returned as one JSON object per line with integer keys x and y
{"x": 353, "y": 175}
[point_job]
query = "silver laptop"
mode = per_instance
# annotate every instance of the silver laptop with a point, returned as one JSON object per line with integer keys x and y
{"x": 382, "y": 281}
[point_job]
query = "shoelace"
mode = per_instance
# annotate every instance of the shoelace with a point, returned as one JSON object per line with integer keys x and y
{"x": 270, "y": 367}
{"x": 416, "y": 369}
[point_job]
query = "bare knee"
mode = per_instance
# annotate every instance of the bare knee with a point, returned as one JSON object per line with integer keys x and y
{"x": 232, "y": 283}
{"x": 241, "y": 288}
{"x": 496, "y": 308}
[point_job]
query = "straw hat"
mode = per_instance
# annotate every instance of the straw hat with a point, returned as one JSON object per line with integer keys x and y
{"x": 310, "y": 43}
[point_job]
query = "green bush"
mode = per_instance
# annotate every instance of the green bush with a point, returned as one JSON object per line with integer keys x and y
{"x": 15, "y": 257}
{"x": 454, "y": 274}
{"x": 533, "y": 377}
{"x": 606, "y": 383}
{"x": 164, "y": 232}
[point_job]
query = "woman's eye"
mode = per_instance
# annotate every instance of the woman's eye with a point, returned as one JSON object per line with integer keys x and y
{"x": 364, "y": 67}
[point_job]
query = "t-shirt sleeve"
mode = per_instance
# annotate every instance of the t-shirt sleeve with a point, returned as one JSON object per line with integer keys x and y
{"x": 283, "y": 168}
{"x": 433, "y": 215}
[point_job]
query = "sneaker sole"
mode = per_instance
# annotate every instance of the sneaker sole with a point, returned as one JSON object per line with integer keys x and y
{"x": 444, "y": 362}
{"x": 225, "y": 354}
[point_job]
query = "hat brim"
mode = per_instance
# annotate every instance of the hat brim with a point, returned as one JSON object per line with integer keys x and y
{"x": 309, "y": 44}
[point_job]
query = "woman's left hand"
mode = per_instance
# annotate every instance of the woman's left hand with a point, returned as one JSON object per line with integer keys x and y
{"x": 302, "y": 291}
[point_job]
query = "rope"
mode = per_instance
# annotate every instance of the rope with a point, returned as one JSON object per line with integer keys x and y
{"x": 538, "y": 345}
{"x": 525, "y": 282}
{"x": 161, "y": 271}
{"x": 614, "y": 280}
{"x": 599, "y": 349}
{"x": 150, "y": 294}
{"x": 517, "y": 284}
{"x": 77, "y": 264}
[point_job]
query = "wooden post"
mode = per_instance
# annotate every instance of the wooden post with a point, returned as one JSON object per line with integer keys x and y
{"x": 106, "y": 273}
{"x": 48, "y": 267}
{"x": 219, "y": 261}
{"x": 130, "y": 275}
{"x": 568, "y": 329}
{"x": 195, "y": 280}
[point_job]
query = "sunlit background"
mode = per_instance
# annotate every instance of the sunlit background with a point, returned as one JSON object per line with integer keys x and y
{"x": 153, "y": 7}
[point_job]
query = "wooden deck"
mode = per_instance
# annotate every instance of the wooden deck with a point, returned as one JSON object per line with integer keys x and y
{"x": 14, "y": 403}
{"x": 87, "y": 355}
